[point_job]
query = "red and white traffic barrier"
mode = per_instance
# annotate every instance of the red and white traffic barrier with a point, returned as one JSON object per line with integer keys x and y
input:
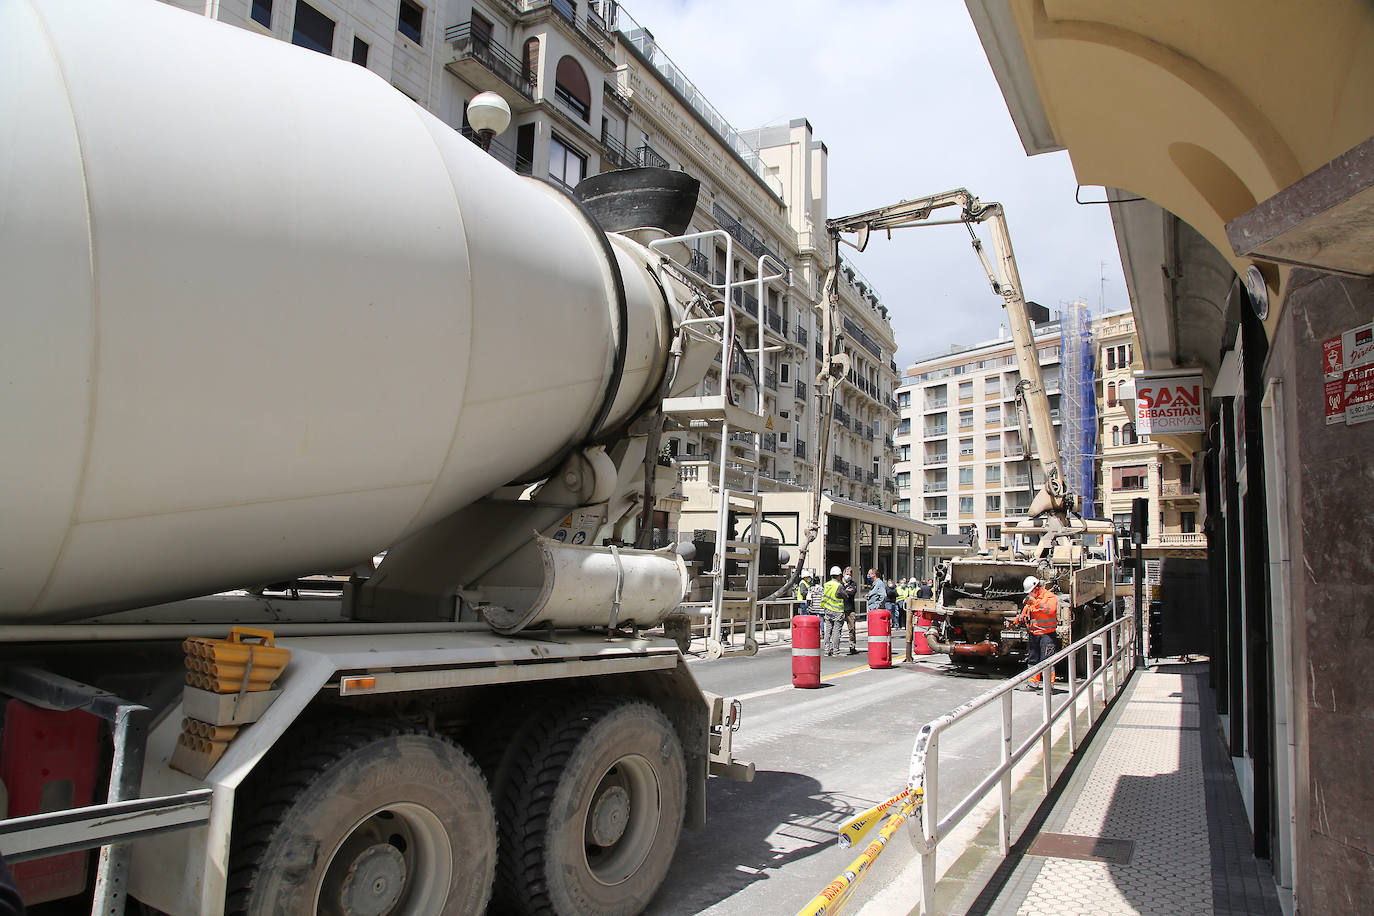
{"x": 880, "y": 638}
{"x": 806, "y": 651}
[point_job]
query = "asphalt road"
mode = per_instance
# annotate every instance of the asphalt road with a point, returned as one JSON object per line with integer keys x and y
{"x": 822, "y": 756}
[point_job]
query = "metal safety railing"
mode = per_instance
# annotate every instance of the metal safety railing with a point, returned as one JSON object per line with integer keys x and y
{"x": 1110, "y": 660}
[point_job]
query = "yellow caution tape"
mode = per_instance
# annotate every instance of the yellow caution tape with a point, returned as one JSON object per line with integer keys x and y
{"x": 865, "y": 821}
{"x": 836, "y": 893}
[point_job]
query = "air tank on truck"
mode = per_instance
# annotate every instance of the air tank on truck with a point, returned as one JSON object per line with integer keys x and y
{"x": 265, "y": 318}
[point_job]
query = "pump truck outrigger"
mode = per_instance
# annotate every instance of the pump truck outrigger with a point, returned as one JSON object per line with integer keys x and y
{"x": 978, "y": 595}
{"x": 223, "y": 373}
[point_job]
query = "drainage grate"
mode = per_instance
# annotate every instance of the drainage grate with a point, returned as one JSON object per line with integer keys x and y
{"x": 1088, "y": 848}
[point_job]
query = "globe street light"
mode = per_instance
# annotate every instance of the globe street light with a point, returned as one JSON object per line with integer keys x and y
{"x": 488, "y": 114}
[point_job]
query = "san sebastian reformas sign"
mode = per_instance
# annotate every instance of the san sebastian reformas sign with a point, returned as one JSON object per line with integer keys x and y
{"x": 1168, "y": 405}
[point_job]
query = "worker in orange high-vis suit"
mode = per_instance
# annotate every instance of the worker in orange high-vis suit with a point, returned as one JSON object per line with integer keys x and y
{"x": 1040, "y": 615}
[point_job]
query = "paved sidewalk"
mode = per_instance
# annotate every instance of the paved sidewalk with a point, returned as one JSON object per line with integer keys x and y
{"x": 1150, "y": 820}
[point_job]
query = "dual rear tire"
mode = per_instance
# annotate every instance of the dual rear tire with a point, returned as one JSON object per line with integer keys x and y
{"x": 380, "y": 819}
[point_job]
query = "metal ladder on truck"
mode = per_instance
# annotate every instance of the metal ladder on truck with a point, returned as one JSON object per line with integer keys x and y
{"x": 741, "y": 428}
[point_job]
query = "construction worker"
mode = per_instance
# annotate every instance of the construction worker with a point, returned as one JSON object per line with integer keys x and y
{"x": 803, "y": 587}
{"x": 832, "y": 612}
{"x": 849, "y": 588}
{"x": 1040, "y": 616}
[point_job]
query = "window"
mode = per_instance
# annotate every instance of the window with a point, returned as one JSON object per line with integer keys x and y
{"x": 993, "y": 443}
{"x": 313, "y": 29}
{"x": 993, "y": 385}
{"x": 904, "y": 453}
{"x": 1128, "y": 434}
{"x": 1111, "y": 357}
{"x": 994, "y": 533}
{"x": 904, "y": 399}
{"x": 1185, "y": 477}
{"x": 994, "y": 502}
{"x": 785, "y": 374}
{"x": 566, "y": 165}
{"x": 966, "y": 389}
{"x": 570, "y": 87}
{"x": 993, "y": 416}
{"x": 262, "y": 13}
{"x": 904, "y": 427}
{"x": 904, "y": 481}
{"x": 994, "y": 473}
{"x": 965, "y": 446}
{"x": 1187, "y": 522}
{"x": 966, "y": 476}
{"x": 1130, "y": 477}
{"x": 965, "y": 419}
{"x": 359, "y": 51}
{"x": 1111, "y": 394}
{"x": 480, "y": 29}
{"x": 965, "y": 505}
{"x": 410, "y": 20}
{"x": 903, "y": 507}
{"x": 1116, "y": 435}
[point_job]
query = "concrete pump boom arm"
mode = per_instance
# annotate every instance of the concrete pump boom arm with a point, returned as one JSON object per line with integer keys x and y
{"x": 1053, "y": 499}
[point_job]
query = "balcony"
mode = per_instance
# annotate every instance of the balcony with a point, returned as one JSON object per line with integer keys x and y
{"x": 889, "y": 486}
{"x": 841, "y": 416}
{"x": 840, "y": 466}
{"x": 770, "y": 442}
{"x": 649, "y": 158}
{"x": 799, "y": 449}
{"x": 931, "y": 431}
{"x": 751, "y": 242}
{"x": 860, "y": 337}
{"x": 937, "y": 515}
{"x": 1173, "y": 489}
{"x": 938, "y": 486}
{"x": 501, "y": 153}
{"x": 770, "y": 379}
{"x": 937, "y": 404}
{"x": 802, "y": 336}
{"x": 801, "y": 391}
{"x": 1018, "y": 510}
{"x": 775, "y": 322}
{"x": 941, "y": 458}
{"x": 486, "y": 65}
{"x": 700, "y": 265}
{"x": 615, "y": 152}
{"x": 1192, "y": 539}
{"x": 1018, "y": 480}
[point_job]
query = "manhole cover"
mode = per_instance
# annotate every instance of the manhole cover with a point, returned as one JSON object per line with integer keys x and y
{"x": 1088, "y": 848}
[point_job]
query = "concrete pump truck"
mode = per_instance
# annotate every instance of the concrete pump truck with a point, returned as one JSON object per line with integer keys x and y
{"x": 977, "y": 596}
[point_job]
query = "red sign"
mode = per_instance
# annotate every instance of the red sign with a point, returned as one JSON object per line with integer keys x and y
{"x": 1333, "y": 357}
{"x": 1335, "y": 401}
{"x": 1166, "y": 406}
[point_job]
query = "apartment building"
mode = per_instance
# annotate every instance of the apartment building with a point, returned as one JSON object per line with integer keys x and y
{"x": 591, "y": 90}
{"x": 961, "y": 461}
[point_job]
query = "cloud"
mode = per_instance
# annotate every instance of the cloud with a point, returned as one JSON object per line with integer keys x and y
{"x": 902, "y": 95}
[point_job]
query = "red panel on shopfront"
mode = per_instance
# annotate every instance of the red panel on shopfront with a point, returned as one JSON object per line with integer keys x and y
{"x": 48, "y": 762}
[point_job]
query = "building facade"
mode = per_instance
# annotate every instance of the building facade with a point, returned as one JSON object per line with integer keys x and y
{"x": 591, "y": 90}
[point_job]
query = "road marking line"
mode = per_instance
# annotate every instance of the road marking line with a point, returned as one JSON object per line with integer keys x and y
{"x": 768, "y": 691}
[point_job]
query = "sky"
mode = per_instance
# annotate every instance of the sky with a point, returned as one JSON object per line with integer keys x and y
{"x": 903, "y": 97}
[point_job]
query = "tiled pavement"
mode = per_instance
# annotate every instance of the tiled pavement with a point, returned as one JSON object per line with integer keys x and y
{"x": 1156, "y": 776}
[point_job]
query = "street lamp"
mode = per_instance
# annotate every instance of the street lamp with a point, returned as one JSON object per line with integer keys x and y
{"x": 488, "y": 114}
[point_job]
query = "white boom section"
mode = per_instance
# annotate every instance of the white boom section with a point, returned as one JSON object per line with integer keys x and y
{"x": 265, "y": 316}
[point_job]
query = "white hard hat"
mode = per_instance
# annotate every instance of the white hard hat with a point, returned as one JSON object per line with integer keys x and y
{"x": 834, "y": 570}
{"x": 1030, "y": 583}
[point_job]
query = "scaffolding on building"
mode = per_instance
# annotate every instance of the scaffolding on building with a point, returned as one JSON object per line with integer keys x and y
{"x": 1078, "y": 439}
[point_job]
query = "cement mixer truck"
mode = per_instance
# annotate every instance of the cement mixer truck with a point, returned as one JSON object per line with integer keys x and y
{"x": 265, "y": 318}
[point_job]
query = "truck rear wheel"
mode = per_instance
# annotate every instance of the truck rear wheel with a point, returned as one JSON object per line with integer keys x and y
{"x": 373, "y": 818}
{"x": 590, "y": 824}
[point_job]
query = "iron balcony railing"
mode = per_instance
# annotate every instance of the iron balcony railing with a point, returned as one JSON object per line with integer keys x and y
{"x": 889, "y": 486}
{"x": 775, "y": 321}
{"x": 616, "y": 151}
{"x": 770, "y": 379}
{"x": 840, "y": 466}
{"x": 751, "y": 242}
{"x": 501, "y": 153}
{"x": 492, "y": 56}
{"x": 841, "y": 416}
{"x": 799, "y": 449}
{"x": 700, "y": 265}
{"x": 801, "y": 391}
{"x": 770, "y": 442}
{"x": 802, "y": 336}
{"x": 649, "y": 158}
{"x": 860, "y": 336}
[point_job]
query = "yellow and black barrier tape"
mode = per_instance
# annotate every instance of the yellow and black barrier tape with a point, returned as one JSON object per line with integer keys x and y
{"x": 836, "y": 894}
{"x": 865, "y": 821}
